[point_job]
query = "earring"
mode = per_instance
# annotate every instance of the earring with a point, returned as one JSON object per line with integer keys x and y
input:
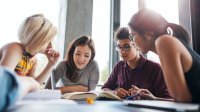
{"x": 169, "y": 31}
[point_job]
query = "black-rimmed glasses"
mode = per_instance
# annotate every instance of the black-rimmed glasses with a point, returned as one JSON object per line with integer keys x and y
{"x": 124, "y": 47}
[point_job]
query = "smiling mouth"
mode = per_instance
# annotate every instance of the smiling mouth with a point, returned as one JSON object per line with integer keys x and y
{"x": 80, "y": 63}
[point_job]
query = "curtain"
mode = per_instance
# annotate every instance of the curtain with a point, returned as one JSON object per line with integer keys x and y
{"x": 195, "y": 23}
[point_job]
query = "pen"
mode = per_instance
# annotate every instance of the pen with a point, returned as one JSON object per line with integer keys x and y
{"x": 134, "y": 87}
{"x": 132, "y": 97}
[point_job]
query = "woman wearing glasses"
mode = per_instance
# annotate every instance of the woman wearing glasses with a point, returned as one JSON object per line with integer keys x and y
{"x": 35, "y": 36}
{"x": 79, "y": 72}
{"x": 134, "y": 71}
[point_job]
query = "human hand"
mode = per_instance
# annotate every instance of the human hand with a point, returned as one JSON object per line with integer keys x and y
{"x": 134, "y": 91}
{"x": 146, "y": 95}
{"x": 52, "y": 55}
{"x": 122, "y": 93}
{"x": 29, "y": 84}
{"x": 81, "y": 88}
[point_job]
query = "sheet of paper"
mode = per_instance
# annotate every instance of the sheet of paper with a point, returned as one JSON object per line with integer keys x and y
{"x": 43, "y": 94}
{"x": 51, "y": 101}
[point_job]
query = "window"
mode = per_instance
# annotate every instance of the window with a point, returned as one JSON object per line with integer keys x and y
{"x": 169, "y": 13}
{"x": 101, "y": 26}
{"x": 101, "y": 36}
{"x": 13, "y": 12}
{"x": 128, "y": 8}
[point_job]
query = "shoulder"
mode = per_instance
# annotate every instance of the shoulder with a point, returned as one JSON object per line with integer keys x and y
{"x": 61, "y": 64}
{"x": 11, "y": 54}
{"x": 93, "y": 64}
{"x": 165, "y": 39}
{"x": 13, "y": 47}
{"x": 167, "y": 43}
{"x": 168, "y": 47}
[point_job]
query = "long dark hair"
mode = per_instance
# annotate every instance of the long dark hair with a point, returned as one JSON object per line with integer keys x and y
{"x": 70, "y": 65}
{"x": 146, "y": 20}
{"x": 180, "y": 33}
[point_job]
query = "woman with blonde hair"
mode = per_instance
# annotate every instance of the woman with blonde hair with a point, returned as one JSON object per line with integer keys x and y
{"x": 35, "y": 36}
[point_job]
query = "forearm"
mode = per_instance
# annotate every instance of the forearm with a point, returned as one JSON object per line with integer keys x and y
{"x": 48, "y": 84}
{"x": 28, "y": 84}
{"x": 75, "y": 88}
{"x": 26, "y": 88}
{"x": 108, "y": 89}
{"x": 92, "y": 84}
{"x": 45, "y": 73}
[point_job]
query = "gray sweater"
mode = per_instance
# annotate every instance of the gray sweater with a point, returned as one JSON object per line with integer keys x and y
{"x": 89, "y": 76}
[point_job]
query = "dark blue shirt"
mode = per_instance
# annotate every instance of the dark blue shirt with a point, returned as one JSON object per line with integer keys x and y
{"x": 147, "y": 75}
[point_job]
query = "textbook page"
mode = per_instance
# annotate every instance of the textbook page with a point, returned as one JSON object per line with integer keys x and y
{"x": 91, "y": 94}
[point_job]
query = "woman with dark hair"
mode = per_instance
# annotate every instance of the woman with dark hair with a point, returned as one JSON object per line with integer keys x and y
{"x": 180, "y": 64}
{"x": 78, "y": 72}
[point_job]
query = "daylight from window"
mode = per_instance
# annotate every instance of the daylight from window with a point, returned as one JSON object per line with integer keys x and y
{"x": 13, "y": 12}
{"x": 101, "y": 35}
{"x": 171, "y": 14}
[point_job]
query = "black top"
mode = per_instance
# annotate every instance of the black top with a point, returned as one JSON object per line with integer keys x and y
{"x": 193, "y": 75}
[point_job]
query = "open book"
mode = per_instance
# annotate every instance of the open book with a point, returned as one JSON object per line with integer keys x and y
{"x": 95, "y": 95}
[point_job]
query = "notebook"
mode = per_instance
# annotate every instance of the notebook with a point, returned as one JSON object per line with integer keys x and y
{"x": 163, "y": 105}
{"x": 49, "y": 101}
{"x": 43, "y": 94}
